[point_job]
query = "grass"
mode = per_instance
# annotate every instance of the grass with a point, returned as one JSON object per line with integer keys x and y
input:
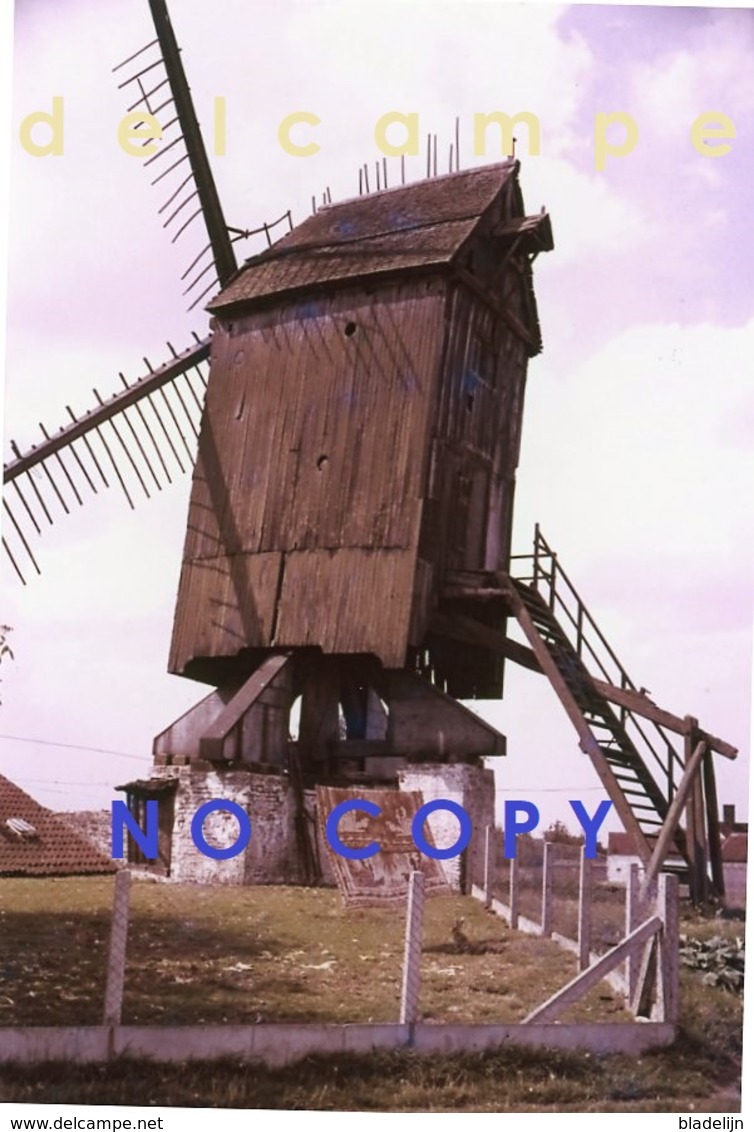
{"x": 295, "y": 955}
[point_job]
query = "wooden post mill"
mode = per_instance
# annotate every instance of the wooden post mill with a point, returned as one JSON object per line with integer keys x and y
{"x": 353, "y": 490}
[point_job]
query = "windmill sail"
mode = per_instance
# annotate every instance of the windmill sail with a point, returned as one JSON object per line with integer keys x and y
{"x": 138, "y": 438}
{"x": 181, "y": 164}
{"x": 160, "y": 81}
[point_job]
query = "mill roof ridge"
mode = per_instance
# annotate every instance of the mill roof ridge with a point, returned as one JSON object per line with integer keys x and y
{"x": 510, "y": 165}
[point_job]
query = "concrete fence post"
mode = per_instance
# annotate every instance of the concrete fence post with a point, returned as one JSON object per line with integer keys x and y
{"x": 547, "y": 907}
{"x": 489, "y": 842}
{"x": 513, "y": 893}
{"x": 585, "y": 910}
{"x": 668, "y": 960}
{"x": 412, "y": 954}
{"x": 116, "y": 958}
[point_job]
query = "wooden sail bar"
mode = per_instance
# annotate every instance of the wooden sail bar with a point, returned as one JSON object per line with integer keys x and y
{"x": 118, "y": 403}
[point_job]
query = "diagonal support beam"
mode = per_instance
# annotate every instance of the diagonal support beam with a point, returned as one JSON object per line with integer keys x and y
{"x": 552, "y": 1009}
{"x": 667, "y": 833}
{"x": 212, "y": 742}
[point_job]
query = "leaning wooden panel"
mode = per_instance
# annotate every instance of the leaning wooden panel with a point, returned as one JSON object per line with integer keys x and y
{"x": 380, "y": 881}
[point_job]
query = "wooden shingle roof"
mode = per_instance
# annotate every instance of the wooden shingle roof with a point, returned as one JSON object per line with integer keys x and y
{"x": 414, "y": 226}
{"x": 34, "y": 842}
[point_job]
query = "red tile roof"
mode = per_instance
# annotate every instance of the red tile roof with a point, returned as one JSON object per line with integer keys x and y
{"x": 621, "y": 843}
{"x": 734, "y": 848}
{"x": 41, "y": 844}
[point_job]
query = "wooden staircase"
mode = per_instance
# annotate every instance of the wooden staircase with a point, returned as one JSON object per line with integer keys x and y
{"x": 603, "y": 731}
{"x": 640, "y": 751}
{"x": 656, "y": 767}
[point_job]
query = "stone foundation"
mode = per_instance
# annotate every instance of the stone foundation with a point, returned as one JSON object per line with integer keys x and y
{"x": 271, "y": 856}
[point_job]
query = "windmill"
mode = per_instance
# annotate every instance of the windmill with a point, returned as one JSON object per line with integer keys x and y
{"x": 348, "y": 538}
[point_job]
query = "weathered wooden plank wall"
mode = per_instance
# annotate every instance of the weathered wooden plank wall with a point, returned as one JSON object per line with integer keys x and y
{"x": 306, "y": 502}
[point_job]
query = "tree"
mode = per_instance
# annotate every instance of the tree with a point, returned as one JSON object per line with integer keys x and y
{"x": 560, "y": 832}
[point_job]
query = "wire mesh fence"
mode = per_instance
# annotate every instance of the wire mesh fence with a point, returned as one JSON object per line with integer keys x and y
{"x": 140, "y": 950}
{"x": 606, "y": 903}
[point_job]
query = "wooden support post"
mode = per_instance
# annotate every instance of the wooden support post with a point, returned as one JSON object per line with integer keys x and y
{"x": 319, "y": 721}
{"x": 513, "y": 892}
{"x": 695, "y": 832}
{"x": 667, "y": 833}
{"x": 412, "y": 953}
{"x": 547, "y": 906}
{"x": 668, "y": 964}
{"x": 585, "y": 910}
{"x": 116, "y": 958}
{"x": 713, "y": 825}
{"x": 702, "y": 839}
{"x": 489, "y": 843}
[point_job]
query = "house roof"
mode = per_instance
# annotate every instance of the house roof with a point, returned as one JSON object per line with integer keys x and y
{"x": 735, "y": 848}
{"x": 415, "y": 226}
{"x": 34, "y": 842}
{"x": 622, "y": 844}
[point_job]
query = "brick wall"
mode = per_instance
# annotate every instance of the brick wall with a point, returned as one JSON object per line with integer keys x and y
{"x": 270, "y": 855}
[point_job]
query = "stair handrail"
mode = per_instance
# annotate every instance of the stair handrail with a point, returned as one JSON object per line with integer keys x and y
{"x": 542, "y": 552}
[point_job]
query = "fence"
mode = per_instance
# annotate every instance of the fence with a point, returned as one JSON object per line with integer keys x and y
{"x": 642, "y": 963}
{"x": 202, "y": 971}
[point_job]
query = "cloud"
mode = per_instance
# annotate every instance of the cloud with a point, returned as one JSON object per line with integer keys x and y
{"x": 591, "y": 218}
{"x": 712, "y": 71}
{"x": 653, "y": 444}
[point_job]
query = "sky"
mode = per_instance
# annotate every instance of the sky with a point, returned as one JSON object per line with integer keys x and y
{"x": 636, "y": 453}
